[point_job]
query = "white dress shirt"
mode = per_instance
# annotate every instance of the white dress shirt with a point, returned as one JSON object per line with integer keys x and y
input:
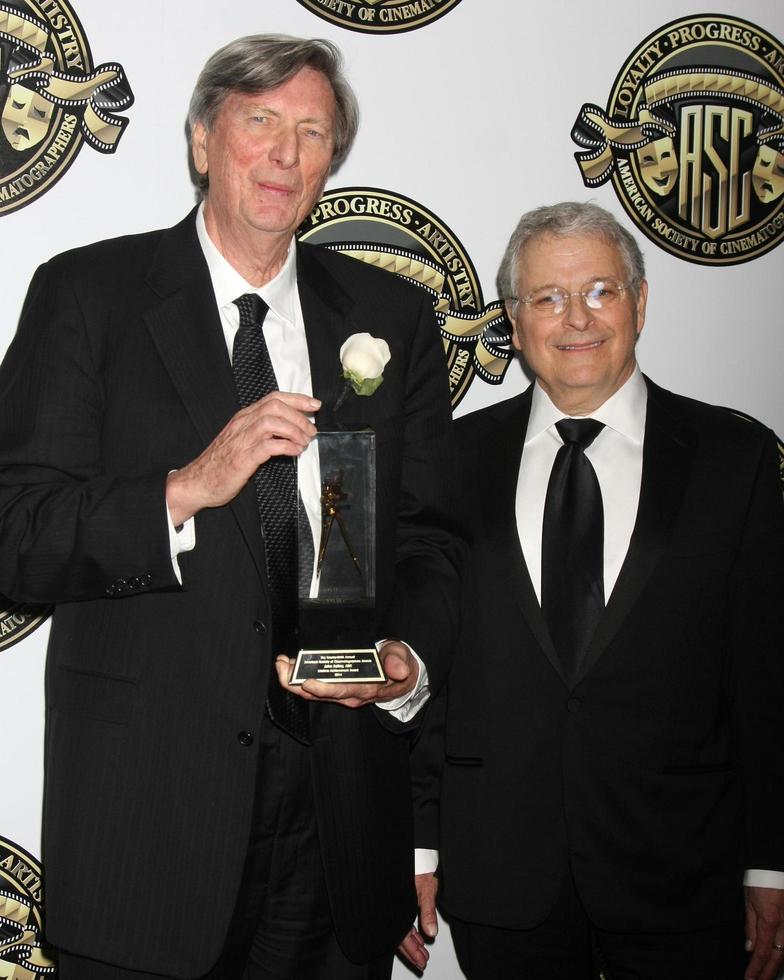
{"x": 284, "y": 333}
{"x": 616, "y": 456}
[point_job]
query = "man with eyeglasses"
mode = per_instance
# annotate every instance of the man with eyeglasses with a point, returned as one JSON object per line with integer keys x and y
{"x": 604, "y": 773}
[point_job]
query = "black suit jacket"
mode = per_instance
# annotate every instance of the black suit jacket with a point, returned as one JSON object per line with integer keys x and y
{"x": 654, "y": 774}
{"x": 118, "y": 374}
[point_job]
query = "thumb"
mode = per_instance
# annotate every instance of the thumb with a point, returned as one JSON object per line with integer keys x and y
{"x": 427, "y": 887}
{"x": 428, "y": 921}
{"x": 397, "y": 660}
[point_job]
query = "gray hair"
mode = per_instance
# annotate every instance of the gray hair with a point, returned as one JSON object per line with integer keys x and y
{"x": 262, "y": 62}
{"x": 566, "y": 219}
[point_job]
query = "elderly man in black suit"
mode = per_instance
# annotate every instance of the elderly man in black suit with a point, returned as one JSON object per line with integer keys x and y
{"x": 604, "y": 767}
{"x": 152, "y": 403}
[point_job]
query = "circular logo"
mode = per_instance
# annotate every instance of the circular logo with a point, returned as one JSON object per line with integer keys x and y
{"x": 380, "y": 16}
{"x": 22, "y": 954}
{"x": 17, "y": 620}
{"x": 397, "y": 234}
{"x": 52, "y": 99}
{"x": 693, "y": 139}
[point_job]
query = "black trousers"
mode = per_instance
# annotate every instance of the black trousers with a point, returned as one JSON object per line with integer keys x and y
{"x": 281, "y": 928}
{"x": 566, "y": 946}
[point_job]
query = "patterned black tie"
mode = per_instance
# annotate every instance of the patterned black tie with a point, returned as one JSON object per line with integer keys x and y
{"x": 573, "y": 545}
{"x": 275, "y": 483}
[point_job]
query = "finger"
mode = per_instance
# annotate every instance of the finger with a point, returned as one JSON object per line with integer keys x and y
{"x": 358, "y": 694}
{"x": 427, "y": 889}
{"x": 413, "y": 949}
{"x": 273, "y": 417}
{"x": 776, "y": 959}
{"x": 349, "y": 702}
{"x": 760, "y": 936}
{"x": 277, "y": 446}
{"x": 428, "y": 920}
{"x": 283, "y": 668}
{"x": 263, "y": 428}
{"x": 397, "y": 666}
{"x": 398, "y": 662}
{"x": 772, "y": 962}
{"x": 768, "y": 970}
{"x": 356, "y": 699}
{"x": 300, "y": 402}
{"x": 765, "y": 961}
{"x": 756, "y": 964}
{"x": 771, "y": 971}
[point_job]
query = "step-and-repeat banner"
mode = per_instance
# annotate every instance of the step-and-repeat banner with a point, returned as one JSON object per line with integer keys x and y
{"x": 472, "y": 112}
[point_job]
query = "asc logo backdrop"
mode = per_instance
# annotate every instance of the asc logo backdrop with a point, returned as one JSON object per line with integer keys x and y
{"x": 471, "y": 113}
{"x": 693, "y": 139}
{"x": 54, "y": 99}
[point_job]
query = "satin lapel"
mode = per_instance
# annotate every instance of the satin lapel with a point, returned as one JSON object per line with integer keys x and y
{"x": 668, "y": 452}
{"x": 326, "y": 310}
{"x": 502, "y": 452}
{"x": 186, "y": 329}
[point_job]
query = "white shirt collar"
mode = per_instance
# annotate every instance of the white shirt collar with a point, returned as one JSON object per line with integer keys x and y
{"x": 228, "y": 284}
{"x": 624, "y": 411}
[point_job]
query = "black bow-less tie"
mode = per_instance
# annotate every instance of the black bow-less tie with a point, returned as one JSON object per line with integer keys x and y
{"x": 275, "y": 483}
{"x": 573, "y": 545}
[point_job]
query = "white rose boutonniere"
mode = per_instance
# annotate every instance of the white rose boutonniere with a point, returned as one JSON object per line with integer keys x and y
{"x": 363, "y": 359}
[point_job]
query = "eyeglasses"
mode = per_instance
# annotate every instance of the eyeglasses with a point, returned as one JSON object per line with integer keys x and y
{"x": 599, "y": 294}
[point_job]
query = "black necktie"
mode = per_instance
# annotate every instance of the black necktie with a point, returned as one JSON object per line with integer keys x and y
{"x": 573, "y": 545}
{"x": 275, "y": 483}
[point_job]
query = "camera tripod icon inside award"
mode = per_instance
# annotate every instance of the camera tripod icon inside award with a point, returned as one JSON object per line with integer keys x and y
{"x": 333, "y": 497}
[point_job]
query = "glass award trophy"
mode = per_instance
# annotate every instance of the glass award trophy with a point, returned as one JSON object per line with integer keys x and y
{"x": 337, "y": 565}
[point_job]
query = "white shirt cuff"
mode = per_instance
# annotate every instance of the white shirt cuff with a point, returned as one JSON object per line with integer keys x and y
{"x": 425, "y": 860}
{"x": 405, "y": 707}
{"x": 182, "y": 539}
{"x": 758, "y": 878}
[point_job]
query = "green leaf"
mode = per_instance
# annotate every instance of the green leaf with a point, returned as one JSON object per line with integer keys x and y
{"x": 368, "y": 386}
{"x": 362, "y": 386}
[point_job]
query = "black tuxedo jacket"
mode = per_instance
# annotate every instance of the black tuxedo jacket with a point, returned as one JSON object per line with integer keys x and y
{"x": 118, "y": 374}
{"x": 655, "y": 774}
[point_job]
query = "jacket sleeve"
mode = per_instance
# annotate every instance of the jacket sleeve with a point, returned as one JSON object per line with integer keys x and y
{"x": 430, "y": 537}
{"x": 756, "y": 589}
{"x": 70, "y": 528}
{"x": 427, "y": 763}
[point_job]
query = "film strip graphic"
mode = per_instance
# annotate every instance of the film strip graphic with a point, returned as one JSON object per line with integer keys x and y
{"x": 484, "y": 335}
{"x": 22, "y": 955}
{"x": 604, "y": 135}
{"x": 97, "y": 94}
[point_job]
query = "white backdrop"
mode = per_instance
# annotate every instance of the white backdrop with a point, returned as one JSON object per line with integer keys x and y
{"x": 471, "y": 117}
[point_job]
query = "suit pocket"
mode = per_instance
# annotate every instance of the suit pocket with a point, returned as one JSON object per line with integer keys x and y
{"x": 93, "y": 695}
{"x": 464, "y": 760}
{"x": 386, "y": 428}
{"x": 694, "y": 770}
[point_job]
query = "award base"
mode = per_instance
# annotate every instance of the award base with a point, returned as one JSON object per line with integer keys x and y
{"x": 347, "y": 656}
{"x": 350, "y": 666}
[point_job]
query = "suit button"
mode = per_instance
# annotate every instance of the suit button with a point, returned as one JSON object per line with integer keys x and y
{"x": 259, "y": 626}
{"x": 134, "y": 582}
{"x": 146, "y": 579}
{"x": 573, "y": 705}
{"x": 245, "y": 738}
